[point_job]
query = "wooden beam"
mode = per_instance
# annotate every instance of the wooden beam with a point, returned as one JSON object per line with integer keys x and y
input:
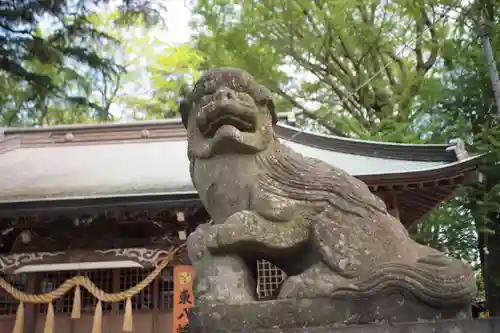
{"x": 76, "y": 266}
{"x": 182, "y": 235}
{"x": 17, "y": 263}
{"x": 180, "y": 216}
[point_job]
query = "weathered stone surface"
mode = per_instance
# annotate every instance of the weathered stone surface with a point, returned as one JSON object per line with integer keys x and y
{"x": 218, "y": 279}
{"x": 287, "y": 314}
{"x": 323, "y": 227}
{"x": 442, "y": 326}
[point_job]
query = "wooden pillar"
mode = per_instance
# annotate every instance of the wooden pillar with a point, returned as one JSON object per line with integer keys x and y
{"x": 392, "y": 204}
{"x": 156, "y": 304}
{"x": 30, "y": 310}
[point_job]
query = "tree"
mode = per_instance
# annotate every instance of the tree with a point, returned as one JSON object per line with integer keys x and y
{"x": 154, "y": 75}
{"x": 36, "y": 35}
{"x": 23, "y": 104}
{"x": 467, "y": 109}
{"x": 358, "y": 78}
{"x": 449, "y": 229}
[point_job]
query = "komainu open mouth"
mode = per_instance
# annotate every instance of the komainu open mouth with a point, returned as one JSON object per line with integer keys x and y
{"x": 239, "y": 116}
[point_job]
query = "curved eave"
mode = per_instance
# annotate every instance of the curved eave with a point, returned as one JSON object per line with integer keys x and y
{"x": 424, "y": 178}
{"x": 414, "y": 201}
{"x": 414, "y": 204}
{"x": 431, "y": 174}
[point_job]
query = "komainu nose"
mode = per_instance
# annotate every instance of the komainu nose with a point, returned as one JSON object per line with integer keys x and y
{"x": 224, "y": 94}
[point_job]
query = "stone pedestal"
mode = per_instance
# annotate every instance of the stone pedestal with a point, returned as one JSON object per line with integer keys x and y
{"x": 440, "y": 326}
{"x": 320, "y": 312}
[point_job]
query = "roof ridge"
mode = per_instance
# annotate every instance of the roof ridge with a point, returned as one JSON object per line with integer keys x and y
{"x": 57, "y": 128}
{"x": 389, "y": 150}
{"x": 289, "y": 116}
{"x": 342, "y": 138}
{"x": 163, "y": 128}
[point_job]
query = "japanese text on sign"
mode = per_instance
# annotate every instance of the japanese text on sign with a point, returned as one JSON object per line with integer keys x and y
{"x": 183, "y": 297}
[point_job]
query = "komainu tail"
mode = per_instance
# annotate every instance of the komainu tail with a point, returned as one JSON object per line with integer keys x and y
{"x": 436, "y": 280}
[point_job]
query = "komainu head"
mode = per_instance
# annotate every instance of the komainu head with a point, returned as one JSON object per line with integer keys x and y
{"x": 228, "y": 112}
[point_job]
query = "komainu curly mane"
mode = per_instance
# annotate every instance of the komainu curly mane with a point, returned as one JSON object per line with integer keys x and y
{"x": 313, "y": 182}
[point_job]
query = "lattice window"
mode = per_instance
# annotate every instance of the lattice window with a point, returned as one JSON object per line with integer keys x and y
{"x": 269, "y": 279}
{"x": 8, "y": 304}
{"x": 166, "y": 289}
{"x": 51, "y": 280}
{"x": 104, "y": 280}
{"x": 131, "y": 277}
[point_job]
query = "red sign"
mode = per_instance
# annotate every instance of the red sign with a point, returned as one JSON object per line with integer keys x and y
{"x": 183, "y": 297}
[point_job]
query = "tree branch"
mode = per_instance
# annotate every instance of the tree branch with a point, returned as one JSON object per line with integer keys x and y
{"x": 424, "y": 21}
{"x": 309, "y": 114}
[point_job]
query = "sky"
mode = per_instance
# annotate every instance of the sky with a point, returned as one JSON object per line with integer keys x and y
{"x": 177, "y": 19}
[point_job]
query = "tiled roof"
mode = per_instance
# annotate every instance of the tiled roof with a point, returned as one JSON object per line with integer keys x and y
{"x": 141, "y": 167}
{"x": 149, "y": 158}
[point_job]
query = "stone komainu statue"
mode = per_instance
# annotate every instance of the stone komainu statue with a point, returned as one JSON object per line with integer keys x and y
{"x": 323, "y": 227}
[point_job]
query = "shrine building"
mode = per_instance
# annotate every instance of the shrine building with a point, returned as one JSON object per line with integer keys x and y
{"x": 105, "y": 201}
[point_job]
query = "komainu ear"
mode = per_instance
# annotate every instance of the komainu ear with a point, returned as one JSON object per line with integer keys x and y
{"x": 271, "y": 106}
{"x": 184, "y": 109}
{"x": 264, "y": 96}
{"x": 185, "y": 104}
